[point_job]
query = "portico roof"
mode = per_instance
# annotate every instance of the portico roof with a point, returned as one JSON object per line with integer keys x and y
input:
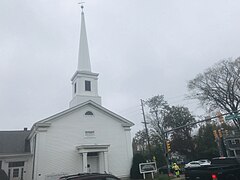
{"x": 92, "y": 148}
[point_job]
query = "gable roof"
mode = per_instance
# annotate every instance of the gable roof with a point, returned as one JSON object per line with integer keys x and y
{"x": 14, "y": 142}
{"x": 125, "y": 122}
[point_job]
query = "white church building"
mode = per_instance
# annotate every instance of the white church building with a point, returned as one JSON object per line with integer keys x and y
{"x": 85, "y": 138}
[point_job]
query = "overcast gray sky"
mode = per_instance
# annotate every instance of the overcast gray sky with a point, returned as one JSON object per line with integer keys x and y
{"x": 140, "y": 48}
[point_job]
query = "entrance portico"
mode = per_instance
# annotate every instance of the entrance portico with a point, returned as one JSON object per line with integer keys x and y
{"x": 94, "y": 158}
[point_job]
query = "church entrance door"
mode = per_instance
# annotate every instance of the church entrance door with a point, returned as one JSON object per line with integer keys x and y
{"x": 93, "y": 162}
{"x": 94, "y": 158}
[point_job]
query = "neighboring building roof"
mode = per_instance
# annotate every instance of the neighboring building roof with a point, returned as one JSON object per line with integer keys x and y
{"x": 14, "y": 142}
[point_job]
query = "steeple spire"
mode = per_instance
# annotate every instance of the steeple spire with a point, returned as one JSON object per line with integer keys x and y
{"x": 84, "y": 81}
{"x": 83, "y": 54}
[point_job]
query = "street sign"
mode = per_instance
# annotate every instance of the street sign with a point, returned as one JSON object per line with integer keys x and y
{"x": 232, "y": 116}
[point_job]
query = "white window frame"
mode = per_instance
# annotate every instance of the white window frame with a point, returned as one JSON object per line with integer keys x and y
{"x": 89, "y": 134}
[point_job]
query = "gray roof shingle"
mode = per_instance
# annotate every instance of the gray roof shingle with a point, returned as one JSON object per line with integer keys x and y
{"x": 14, "y": 142}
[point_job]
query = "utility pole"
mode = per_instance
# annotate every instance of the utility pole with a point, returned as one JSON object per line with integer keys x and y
{"x": 165, "y": 138}
{"x": 146, "y": 129}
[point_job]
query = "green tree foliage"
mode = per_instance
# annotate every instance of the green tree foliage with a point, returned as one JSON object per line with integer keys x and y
{"x": 140, "y": 142}
{"x": 162, "y": 117}
{"x": 182, "y": 141}
{"x": 219, "y": 87}
{"x": 134, "y": 172}
{"x": 159, "y": 155}
{"x": 206, "y": 147}
{"x": 140, "y": 147}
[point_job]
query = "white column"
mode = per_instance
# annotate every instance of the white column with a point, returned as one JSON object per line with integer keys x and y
{"x": 101, "y": 162}
{"x": 84, "y": 162}
{"x": 106, "y": 162}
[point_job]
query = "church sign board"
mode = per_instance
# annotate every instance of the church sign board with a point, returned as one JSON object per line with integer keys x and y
{"x": 149, "y": 167}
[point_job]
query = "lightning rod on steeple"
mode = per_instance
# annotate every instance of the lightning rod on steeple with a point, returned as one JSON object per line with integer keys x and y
{"x": 81, "y": 5}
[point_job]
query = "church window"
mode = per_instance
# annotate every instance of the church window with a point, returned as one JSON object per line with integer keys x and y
{"x": 75, "y": 87}
{"x": 87, "y": 85}
{"x": 89, "y": 113}
{"x": 89, "y": 134}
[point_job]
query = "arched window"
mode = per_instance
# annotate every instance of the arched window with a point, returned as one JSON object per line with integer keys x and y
{"x": 89, "y": 113}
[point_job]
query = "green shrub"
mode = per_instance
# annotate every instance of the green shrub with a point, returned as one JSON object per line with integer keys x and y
{"x": 137, "y": 159}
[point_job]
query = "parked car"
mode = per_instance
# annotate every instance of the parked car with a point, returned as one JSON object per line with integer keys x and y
{"x": 89, "y": 176}
{"x": 198, "y": 163}
{"x": 221, "y": 168}
{"x": 204, "y": 162}
{"x": 192, "y": 164}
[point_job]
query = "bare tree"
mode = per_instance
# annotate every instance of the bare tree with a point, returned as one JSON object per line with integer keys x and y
{"x": 157, "y": 108}
{"x": 219, "y": 87}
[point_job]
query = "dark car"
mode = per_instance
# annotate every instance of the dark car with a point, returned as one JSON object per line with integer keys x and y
{"x": 221, "y": 168}
{"x": 3, "y": 175}
{"x": 92, "y": 176}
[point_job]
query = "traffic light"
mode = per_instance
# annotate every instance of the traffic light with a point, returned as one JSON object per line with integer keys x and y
{"x": 220, "y": 117}
{"x": 168, "y": 146}
{"x": 220, "y": 133}
{"x": 215, "y": 134}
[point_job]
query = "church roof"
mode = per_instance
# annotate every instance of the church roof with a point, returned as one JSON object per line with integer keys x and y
{"x": 14, "y": 142}
{"x": 125, "y": 122}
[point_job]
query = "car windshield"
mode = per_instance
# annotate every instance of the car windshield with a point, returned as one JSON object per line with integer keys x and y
{"x": 204, "y": 161}
{"x": 194, "y": 163}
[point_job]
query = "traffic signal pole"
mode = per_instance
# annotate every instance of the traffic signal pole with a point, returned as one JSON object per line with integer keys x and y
{"x": 191, "y": 124}
{"x": 204, "y": 120}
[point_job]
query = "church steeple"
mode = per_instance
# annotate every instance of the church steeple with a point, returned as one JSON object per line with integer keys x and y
{"x": 83, "y": 54}
{"x": 84, "y": 81}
